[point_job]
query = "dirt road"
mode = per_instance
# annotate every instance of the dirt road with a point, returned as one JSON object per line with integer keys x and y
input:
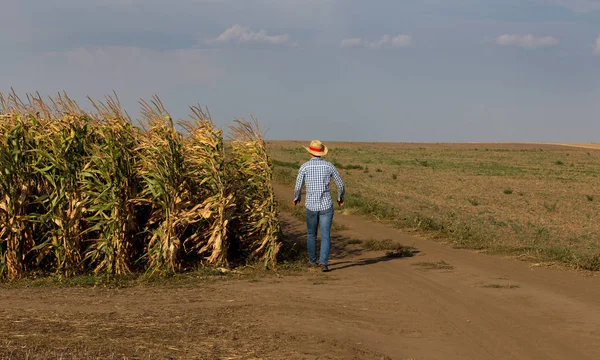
{"x": 368, "y": 307}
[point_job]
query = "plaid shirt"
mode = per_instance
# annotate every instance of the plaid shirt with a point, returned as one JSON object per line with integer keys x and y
{"x": 317, "y": 174}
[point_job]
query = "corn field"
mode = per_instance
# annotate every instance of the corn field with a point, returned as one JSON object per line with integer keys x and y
{"x": 90, "y": 192}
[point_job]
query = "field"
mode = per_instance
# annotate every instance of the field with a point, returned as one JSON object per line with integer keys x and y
{"x": 405, "y": 282}
{"x": 535, "y": 201}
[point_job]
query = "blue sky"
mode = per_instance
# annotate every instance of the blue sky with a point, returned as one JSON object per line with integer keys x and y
{"x": 378, "y": 70}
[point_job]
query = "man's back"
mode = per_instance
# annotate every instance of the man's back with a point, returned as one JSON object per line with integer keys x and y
{"x": 316, "y": 174}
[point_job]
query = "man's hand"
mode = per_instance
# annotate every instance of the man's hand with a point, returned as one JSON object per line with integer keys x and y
{"x": 341, "y": 203}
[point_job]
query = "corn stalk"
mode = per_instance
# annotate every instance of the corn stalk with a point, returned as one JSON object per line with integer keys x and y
{"x": 90, "y": 191}
{"x": 17, "y": 187}
{"x": 65, "y": 151}
{"x": 205, "y": 160}
{"x": 256, "y": 225}
{"x": 110, "y": 184}
{"x": 167, "y": 188}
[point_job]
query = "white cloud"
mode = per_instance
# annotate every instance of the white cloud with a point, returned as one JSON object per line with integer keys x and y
{"x": 597, "y": 46}
{"x": 386, "y": 40}
{"x": 354, "y": 42}
{"x": 401, "y": 41}
{"x": 526, "y": 41}
{"x": 238, "y": 34}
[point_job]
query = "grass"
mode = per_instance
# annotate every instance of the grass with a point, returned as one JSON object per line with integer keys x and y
{"x": 291, "y": 165}
{"x": 500, "y": 286}
{"x": 346, "y": 167}
{"x": 551, "y": 207}
{"x": 424, "y": 163}
{"x": 339, "y": 227}
{"x": 130, "y": 280}
{"x": 190, "y": 277}
{"x": 392, "y": 248}
{"x": 400, "y": 253}
{"x": 382, "y": 245}
{"x": 434, "y": 265}
{"x": 473, "y": 201}
{"x": 451, "y": 192}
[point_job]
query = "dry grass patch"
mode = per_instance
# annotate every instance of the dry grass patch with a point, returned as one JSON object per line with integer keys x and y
{"x": 392, "y": 248}
{"x": 339, "y": 227}
{"x": 401, "y": 253}
{"x": 500, "y": 286}
{"x": 434, "y": 265}
{"x": 354, "y": 242}
{"x": 382, "y": 245}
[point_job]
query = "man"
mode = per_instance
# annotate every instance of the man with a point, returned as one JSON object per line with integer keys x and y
{"x": 316, "y": 174}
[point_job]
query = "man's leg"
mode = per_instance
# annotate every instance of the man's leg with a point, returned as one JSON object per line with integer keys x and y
{"x": 325, "y": 220}
{"x": 312, "y": 221}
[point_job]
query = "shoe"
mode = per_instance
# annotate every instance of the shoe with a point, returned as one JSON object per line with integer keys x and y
{"x": 324, "y": 268}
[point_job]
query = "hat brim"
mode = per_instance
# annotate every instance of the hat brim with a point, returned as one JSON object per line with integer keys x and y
{"x": 317, "y": 153}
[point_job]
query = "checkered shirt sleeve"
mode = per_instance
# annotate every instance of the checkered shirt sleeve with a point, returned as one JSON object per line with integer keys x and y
{"x": 316, "y": 174}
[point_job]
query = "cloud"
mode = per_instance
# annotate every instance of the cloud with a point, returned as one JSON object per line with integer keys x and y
{"x": 526, "y": 41}
{"x": 386, "y": 40}
{"x": 401, "y": 41}
{"x": 355, "y": 42}
{"x": 597, "y": 46}
{"x": 238, "y": 34}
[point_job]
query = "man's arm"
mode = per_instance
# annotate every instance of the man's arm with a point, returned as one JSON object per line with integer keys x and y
{"x": 340, "y": 185}
{"x": 298, "y": 187}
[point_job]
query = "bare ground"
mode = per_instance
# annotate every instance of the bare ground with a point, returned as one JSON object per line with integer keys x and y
{"x": 369, "y": 306}
{"x": 583, "y": 146}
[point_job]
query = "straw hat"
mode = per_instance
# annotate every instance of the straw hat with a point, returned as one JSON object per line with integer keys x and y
{"x": 316, "y": 148}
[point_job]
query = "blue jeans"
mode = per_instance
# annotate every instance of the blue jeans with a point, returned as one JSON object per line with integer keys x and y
{"x": 314, "y": 220}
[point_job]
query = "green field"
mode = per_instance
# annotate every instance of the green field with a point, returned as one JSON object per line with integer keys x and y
{"x": 537, "y": 202}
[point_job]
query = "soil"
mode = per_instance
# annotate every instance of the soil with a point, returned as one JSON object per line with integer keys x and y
{"x": 584, "y": 146}
{"x": 369, "y": 306}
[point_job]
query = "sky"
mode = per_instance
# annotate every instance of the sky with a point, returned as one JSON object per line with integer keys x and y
{"x": 334, "y": 70}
